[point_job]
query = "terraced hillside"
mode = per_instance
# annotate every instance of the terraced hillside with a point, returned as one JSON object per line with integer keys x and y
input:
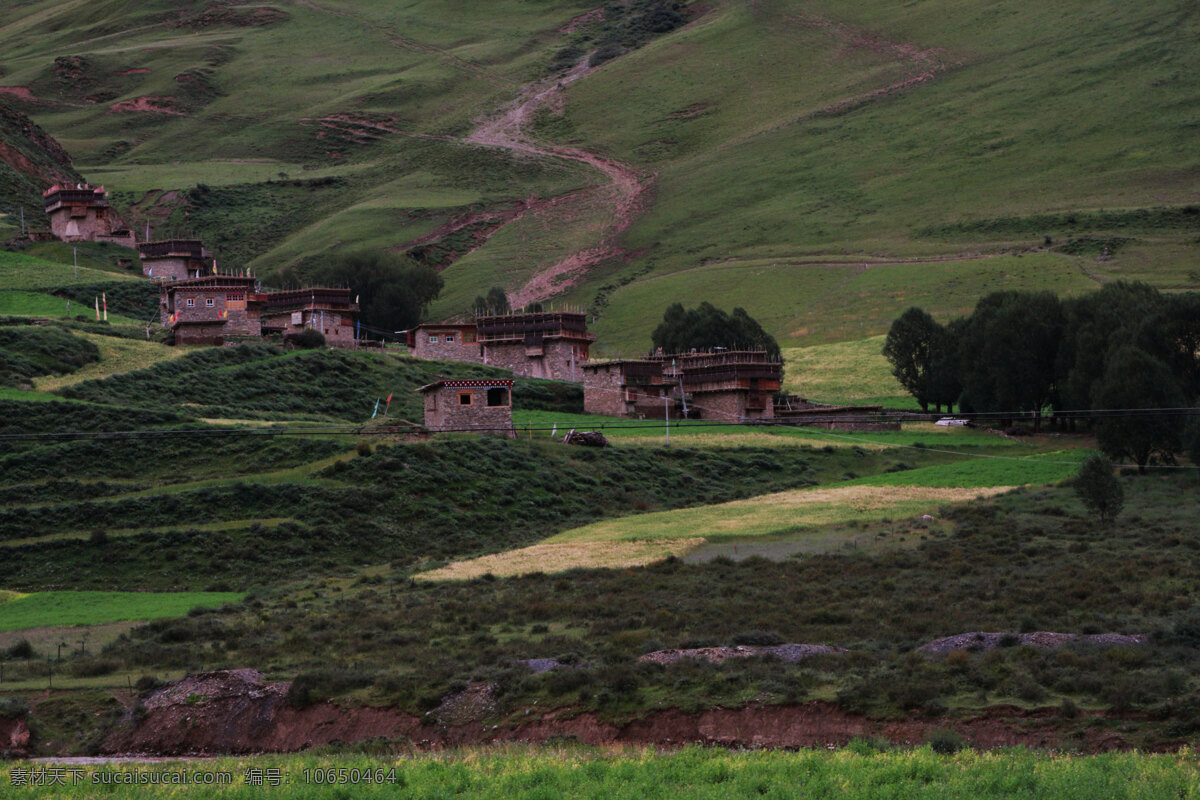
{"x": 825, "y": 165}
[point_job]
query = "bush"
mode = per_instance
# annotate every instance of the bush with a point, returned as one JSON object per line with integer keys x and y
{"x": 21, "y": 650}
{"x": 313, "y": 687}
{"x": 1098, "y": 488}
{"x": 946, "y": 742}
{"x": 757, "y": 638}
{"x": 309, "y": 339}
{"x": 147, "y": 683}
{"x": 13, "y": 707}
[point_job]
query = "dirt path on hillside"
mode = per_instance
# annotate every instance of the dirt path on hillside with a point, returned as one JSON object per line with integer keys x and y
{"x": 625, "y": 192}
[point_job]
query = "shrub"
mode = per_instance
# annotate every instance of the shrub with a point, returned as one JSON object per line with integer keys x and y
{"x": 147, "y": 683}
{"x": 757, "y": 638}
{"x": 13, "y": 707}
{"x": 1098, "y": 488}
{"x": 309, "y": 339}
{"x": 22, "y": 650}
{"x": 946, "y": 742}
{"x": 313, "y": 687}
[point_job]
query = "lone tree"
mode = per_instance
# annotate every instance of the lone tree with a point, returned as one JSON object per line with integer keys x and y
{"x": 707, "y": 327}
{"x": 1098, "y": 488}
{"x": 918, "y": 348}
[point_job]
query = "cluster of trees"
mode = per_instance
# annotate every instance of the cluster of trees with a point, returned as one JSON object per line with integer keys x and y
{"x": 394, "y": 291}
{"x": 707, "y": 327}
{"x": 1126, "y": 358}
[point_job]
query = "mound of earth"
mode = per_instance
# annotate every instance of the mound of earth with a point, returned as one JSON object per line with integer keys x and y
{"x": 717, "y": 655}
{"x": 14, "y": 738}
{"x": 978, "y": 640}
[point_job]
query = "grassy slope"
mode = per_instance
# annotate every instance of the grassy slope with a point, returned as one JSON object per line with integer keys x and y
{"x": 1018, "y": 123}
{"x": 775, "y": 149}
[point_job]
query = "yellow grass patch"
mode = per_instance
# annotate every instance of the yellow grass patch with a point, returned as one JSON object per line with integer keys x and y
{"x": 563, "y": 556}
{"x": 117, "y": 356}
{"x": 7, "y": 596}
{"x": 780, "y": 513}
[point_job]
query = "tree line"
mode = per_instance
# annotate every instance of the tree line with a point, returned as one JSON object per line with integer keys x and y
{"x": 1126, "y": 347}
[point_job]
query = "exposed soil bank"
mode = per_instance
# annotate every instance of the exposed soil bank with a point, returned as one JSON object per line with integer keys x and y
{"x": 14, "y": 737}
{"x": 235, "y": 712}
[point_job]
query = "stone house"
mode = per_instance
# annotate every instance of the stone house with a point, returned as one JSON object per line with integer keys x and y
{"x": 330, "y": 311}
{"x": 174, "y": 259}
{"x": 481, "y": 406}
{"x": 729, "y": 385}
{"x": 625, "y": 388}
{"x": 447, "y": 342}
{"x": 552, "y": 345}
{"x": 81, "y": 213}
{"x": 211, "y": 310}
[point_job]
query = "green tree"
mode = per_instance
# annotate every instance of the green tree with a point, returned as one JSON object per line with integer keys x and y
{"x": 1007, "y": 350}
{"x": 394, "y": 292}
{"x": 1095, "y": 324}
{"x": 1098, "y": 488}
{"x": 1141, "y": 401}
{"x": 707, "y": 327}
{"x": 495, "y": 302}
{"x": 918, "y": 347}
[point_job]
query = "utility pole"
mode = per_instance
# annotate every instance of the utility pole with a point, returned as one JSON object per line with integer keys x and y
{"x": 667, "y": 415}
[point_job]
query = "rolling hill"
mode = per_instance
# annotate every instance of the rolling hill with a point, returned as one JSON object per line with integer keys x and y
{"x": 823, "y": 164}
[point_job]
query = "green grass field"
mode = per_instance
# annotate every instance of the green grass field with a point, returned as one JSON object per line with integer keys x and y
{"x": 46, "y": 609}
{"x": 524, "y": 774}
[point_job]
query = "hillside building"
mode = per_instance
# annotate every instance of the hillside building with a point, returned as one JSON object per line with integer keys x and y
{"x": 211, "y": 310}
{"x": 217, "y": 309}
{"x": 480, "y": 406}
{"x": 625, "y": 389}
{"x": 331, "y": 311}
{"x": 81, "y": 213}
{"x": 552, "y": 345}
{"x": 729, "y": 385}
{"x": 732, "y": 385}
{"x": 446, "y": 342}
{"x": 174, "y": 259}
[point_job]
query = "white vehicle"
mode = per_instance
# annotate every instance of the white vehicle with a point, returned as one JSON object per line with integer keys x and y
{"x": 952, "y": 422}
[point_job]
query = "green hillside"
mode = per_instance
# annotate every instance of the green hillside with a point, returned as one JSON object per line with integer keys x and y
{"x": 795, "y": 156}
{"x": 30, "y": 160}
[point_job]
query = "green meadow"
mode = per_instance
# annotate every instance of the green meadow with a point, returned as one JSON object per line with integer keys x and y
{"x": 42, "y": 609}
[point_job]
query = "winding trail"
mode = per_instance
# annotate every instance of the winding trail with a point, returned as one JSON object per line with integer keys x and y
{"x": 626, "y": 190}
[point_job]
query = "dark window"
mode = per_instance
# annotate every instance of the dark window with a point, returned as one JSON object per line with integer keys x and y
{"x": 497, "y": 397}
{"x": 464, "y": 398}
{"x": 449, "y": 338}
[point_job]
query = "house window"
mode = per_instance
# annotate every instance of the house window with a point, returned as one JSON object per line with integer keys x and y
{"x": 497, "y": 396}
{"x": 469, "y": 337}
{"x": 208, "y": 302}
{"x": 191, "y": 302}
{"x": 433, "y": 338}
{"x": 464, "y": 398}
{"x": 449, "y": 338}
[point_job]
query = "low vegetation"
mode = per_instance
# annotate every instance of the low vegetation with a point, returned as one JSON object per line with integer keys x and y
{"x": 568, "y": 770}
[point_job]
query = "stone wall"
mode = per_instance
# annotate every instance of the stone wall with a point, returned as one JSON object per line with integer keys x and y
{"x": 560, "y": 360}
{"x": 603, "y": 392}
{"x": 88, "y": 224}
{"x": 725, "y": 406}
{"x": 166, "y": 269}
{"x": 336, "y": 326}
{"x": 444, "y": 411}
